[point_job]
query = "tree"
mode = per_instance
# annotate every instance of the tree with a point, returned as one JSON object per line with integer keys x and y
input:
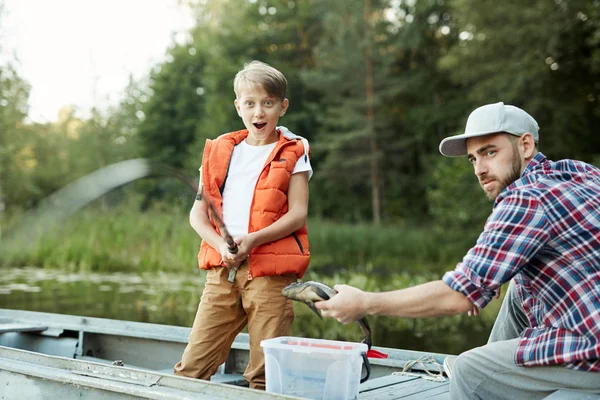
{"x": 176, "y": 105}
{"x": 344, "y": 74}
{"x": 192, "y": 92}
{"x": 15, "y": 153}
{"x": 421, "y": 104}
{"x": 383, "y": 104}
{"x": 539, "y": 55}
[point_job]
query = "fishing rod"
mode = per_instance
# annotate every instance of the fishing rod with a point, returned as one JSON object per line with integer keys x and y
{"x": 232, "y": 246}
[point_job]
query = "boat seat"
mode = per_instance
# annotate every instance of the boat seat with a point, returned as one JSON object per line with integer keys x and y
{"x": 6, "y": 327}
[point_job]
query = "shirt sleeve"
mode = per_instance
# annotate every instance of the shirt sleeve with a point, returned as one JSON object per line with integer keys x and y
{"x": 200, "y": 179}
{"x": 515, "y": 231}
{"x": 303, "y": 164}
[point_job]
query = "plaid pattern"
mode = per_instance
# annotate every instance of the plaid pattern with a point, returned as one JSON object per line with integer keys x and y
{"x": 545, "y": 232}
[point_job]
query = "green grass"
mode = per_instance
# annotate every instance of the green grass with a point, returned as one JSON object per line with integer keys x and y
{"x": 385, "y": 248}
{"x": 123, "y": 239}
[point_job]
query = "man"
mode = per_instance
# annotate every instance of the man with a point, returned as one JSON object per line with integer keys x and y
{"x": 543, "y": 236}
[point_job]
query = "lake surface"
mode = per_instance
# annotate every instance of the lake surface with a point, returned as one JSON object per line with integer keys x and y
{"x": 158, "y": 298}
{"x": 172, "y": 299}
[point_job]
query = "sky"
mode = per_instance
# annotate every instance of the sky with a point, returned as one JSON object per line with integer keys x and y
{"x": 82, "y": 52}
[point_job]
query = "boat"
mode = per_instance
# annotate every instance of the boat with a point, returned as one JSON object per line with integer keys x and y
{"x": 53, "y": 356}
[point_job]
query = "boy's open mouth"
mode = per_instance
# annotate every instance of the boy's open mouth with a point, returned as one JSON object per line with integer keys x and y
{"x": 259, "y": 126}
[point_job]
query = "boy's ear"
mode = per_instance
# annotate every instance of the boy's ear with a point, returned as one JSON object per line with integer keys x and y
{"x": 284, "y": 106}
{"x": 237, "y": 107}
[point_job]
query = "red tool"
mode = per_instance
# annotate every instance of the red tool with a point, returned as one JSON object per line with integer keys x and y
{"x": 376, "y": 354}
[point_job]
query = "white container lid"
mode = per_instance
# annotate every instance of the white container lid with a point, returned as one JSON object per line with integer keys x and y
{"x": 307, "y": 345}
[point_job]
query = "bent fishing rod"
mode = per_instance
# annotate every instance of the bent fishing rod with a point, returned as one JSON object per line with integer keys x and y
{"x": 232, "y": 246}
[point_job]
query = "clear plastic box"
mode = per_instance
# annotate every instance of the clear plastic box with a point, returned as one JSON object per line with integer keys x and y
{"x": 313, "y": 368}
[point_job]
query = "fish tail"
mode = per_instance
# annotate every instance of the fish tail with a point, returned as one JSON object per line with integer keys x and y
{"x": 312, "y": 307}
{"x": 364, "y": 326}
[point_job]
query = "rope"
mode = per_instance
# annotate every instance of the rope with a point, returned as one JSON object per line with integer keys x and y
{"x": 427, "y": 359}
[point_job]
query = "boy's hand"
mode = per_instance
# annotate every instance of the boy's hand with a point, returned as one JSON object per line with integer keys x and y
{"x": 229, "y": 259}
{"x": 245, "y": 246}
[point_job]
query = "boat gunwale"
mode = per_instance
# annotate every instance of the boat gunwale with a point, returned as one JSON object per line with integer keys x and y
{"x": 118, "y": 379}
{"x": 397, "y": 358}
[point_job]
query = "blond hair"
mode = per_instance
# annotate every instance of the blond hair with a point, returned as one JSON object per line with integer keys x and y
{"x": 257, "y": 73}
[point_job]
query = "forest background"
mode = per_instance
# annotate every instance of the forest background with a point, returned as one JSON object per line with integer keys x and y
{"x": 374, "y": 85}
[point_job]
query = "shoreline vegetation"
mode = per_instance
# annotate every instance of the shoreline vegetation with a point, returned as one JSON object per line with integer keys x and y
{"x": 123, "y": 239}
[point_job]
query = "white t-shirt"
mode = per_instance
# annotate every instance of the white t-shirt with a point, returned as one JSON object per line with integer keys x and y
{"x": 245, "y": 166}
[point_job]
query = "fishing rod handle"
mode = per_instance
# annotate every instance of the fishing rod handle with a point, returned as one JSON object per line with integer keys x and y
{"x": 232, "y": 272}
{"x": 232, "y": 247}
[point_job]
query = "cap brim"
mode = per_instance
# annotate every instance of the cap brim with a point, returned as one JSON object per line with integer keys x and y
{"x": 456, "y": 146}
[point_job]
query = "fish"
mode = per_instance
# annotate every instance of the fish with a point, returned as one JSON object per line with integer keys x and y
{"x": 310, "y": 292}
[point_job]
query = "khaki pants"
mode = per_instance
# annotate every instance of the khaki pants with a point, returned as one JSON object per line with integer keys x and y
{"x": 489, "y": 372}
{"x": 225, "y": 309}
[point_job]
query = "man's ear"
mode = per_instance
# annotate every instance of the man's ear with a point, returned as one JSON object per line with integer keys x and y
{"x": 527, "y": 144}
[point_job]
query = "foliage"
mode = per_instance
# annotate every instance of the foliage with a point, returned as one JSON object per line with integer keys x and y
{"x": 16, "y": 158}
{"x": 541, "y": 56}
{"x": 380, "y": 249}
{"x": 374, "y": 85}
{"x": 457, "y": 206}
{"x": 160, "y": 239}
{"x": 421, "y": 103}
{"x": 173, "y": 111}
{"x": 344, "y": 72}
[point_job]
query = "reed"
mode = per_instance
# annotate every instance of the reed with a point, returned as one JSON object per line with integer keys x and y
{"x": 124, "y": 239}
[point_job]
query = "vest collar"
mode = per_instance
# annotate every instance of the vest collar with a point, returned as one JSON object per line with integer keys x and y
{"x": 285, "y": 135}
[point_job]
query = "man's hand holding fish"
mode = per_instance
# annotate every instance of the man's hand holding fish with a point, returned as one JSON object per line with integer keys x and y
{"x": 347, "y": 306}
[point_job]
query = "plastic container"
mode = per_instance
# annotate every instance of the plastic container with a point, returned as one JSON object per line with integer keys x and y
{"x": 314, "y": 368}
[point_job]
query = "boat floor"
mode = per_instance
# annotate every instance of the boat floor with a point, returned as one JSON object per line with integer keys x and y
{"x": 393, "y": 387}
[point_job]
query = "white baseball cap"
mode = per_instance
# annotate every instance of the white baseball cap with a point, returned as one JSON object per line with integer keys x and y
{"x": 488, "y": 119}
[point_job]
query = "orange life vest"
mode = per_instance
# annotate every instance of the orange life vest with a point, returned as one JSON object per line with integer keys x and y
{"x": 287, "y": 255}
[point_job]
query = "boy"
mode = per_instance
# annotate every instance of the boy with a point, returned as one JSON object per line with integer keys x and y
{"x": 258, "y": 178}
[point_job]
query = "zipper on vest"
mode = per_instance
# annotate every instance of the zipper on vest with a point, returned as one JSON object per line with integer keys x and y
{"x": 269, "y": 160}
{"x": 298, "y": 241}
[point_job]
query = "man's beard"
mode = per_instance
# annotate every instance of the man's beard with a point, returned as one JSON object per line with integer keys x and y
{"x": 513, "y": 175}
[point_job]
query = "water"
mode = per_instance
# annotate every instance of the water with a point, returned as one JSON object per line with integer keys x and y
{"x": 172, "y": 299}
{"x": 162, "y": 298}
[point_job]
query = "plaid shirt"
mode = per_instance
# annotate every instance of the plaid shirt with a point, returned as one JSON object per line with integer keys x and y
{"x": 545, "y": 232}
